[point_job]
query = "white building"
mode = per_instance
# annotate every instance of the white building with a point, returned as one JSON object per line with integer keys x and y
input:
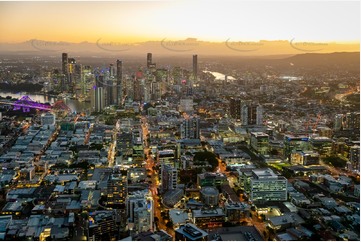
{"x": 267, "y": 186}
{"x": 98, "y": 99}
{"x": 140, "y": 211}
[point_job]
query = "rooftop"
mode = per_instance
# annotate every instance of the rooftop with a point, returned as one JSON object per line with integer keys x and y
{"x": 192, "y": 232}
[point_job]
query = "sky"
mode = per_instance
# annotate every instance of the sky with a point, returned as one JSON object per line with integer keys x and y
{"x": 216, "y": 21}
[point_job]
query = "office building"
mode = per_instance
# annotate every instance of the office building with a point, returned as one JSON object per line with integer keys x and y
{"x": 324, "y": 132}
{"x": 64, "y": 78}
{"x": 337, "y": 124}
{"x": 109, "y": 93}
{"x": 195, "y": 67}
{"x": 47, "y": 119}
{"x": 355, "y": 157}
{"x": 102, "y": 225}
{"x": 138, "y": 86}
{"x": 305, "y": 158}
{"x": 259, "y": 115}
{"x": 235, "y": 211}
{"x": 190, "y": 232}
{"x": 265, "y": 185}
{"x": 168, "y": 178}
{"x": 116, "y": 191}
{"x": 251, "y": 115}
{"x": 189, "y": 128}
{"x": 149, "y": 60}
{"x": 208, "y": 218}
{"x": 64, "y": 61}
{"x": 119, "y": 95}
{"x": 295, "y": 143}
{"x": 211, "y": 179}
{"x": 186, "y": 105}
{"x": 112, "y": 70}
{"x": 71, "y": 74}
{"x": 209, "y": 196}
{"x": 321, "y": 144}
{"x": 98, "y": 99}
{"x": 140, "y": 211}
{"x": 235, "y": 108}
{"x": 352, "y": 121}
{"x": 260, "y": 142}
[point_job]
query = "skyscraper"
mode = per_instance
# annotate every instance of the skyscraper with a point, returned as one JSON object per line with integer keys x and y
{"x": 259, "y": 111}
{"x": 235, "y": 108}
{"x": 65, "y": 63}
{"x": 137, "y": 86}
{"x": 110, "y": 99}
{"x": 149, "y": 60}
{"x": 119, "y": 82}
{"x": 64, "y": 79}
{"x": 71, "y": 74}
{"x": 189, "y": 128}
{"x": 99, "y": 99}
{"x": 111, "y": 70}
{"x": 252, "y": 114}
{"x": 169, "y": 177}
{"x": 195, "y": 67}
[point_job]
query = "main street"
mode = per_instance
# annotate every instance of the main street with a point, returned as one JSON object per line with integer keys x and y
{"x": 154, "y": 179}
{"x": 254, "y": 219}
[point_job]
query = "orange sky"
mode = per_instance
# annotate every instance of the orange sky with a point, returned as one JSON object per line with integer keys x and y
{"x": 149, "y": 20}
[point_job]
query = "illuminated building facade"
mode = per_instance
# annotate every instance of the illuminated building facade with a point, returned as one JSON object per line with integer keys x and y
{"x": 140, "y": 211}
{"x": 265, "y": 185}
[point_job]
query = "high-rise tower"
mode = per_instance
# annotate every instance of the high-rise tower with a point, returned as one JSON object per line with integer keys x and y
{"x": 149, "y": 60}
{"x": 119, "y": 82}
{"x": 195, "y": 67}
{"x": 64, "y": 61}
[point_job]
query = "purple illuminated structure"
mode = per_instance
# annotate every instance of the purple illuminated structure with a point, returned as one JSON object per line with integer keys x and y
{"x": 26, "y": 103}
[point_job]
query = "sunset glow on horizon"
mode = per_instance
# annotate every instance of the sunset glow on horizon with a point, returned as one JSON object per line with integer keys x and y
{"x": 207, "y": 21}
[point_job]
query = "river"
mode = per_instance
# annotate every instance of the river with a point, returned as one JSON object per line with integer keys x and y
{"x": 73, "y": 104}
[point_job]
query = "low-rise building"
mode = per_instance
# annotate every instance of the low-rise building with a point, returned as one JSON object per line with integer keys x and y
{"x": 208, "y": 218}
{"x": 265, "y": 185}
{"x": 211, "y": 179}
{"x": 190, "y": 232}
{"x": 287, "y": 220}
{"x": 236, "y": 211}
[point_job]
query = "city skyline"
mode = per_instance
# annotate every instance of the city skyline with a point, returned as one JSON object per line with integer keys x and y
{"x": 180, "y": 120}
{"x": 132, "y": 22}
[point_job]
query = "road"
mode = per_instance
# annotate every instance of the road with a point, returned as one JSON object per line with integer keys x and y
{"x": 158, "y": 207}
{"x": 254, "y": 219}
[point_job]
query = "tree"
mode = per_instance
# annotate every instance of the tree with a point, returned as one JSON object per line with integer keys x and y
{"x": 335, "y": 161}
{"x": 206, "y": 156}
{"x": 169, "y": 224}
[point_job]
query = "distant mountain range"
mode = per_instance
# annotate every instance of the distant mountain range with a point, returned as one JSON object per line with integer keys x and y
{"x": 166, "y": 47}
{"x": 345, "y": 58}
